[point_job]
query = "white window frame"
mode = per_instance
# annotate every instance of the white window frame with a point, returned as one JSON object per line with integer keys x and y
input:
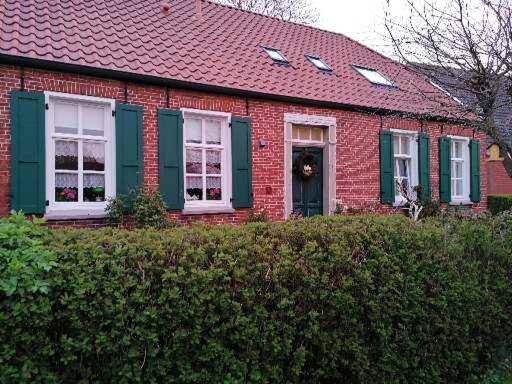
{"x": 363, "y": 71}
{"x": 79, "y": 210}
{"x": 214, "y": 206}
{"x": 282, "y": 58}
{"x": 414, "y": 177}
{"x": 466, "y": 171}
{"x": 319, "y": 63}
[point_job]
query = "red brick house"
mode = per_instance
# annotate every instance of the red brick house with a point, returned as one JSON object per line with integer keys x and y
{"x": 222, "y": 110}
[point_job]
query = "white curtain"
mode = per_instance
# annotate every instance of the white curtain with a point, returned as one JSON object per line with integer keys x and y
{"x": 66, "y": 180}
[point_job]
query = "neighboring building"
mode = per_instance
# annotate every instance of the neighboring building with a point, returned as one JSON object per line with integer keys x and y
{"x": 223, "y": 110}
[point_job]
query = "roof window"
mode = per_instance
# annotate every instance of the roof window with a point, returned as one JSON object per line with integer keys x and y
{"x": 373, "y": 76}
{"x": 276, "y": 55}
{"x": 319, "y": 63}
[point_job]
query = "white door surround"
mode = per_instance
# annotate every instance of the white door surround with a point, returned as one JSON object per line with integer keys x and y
{"x": 329, "y": 155}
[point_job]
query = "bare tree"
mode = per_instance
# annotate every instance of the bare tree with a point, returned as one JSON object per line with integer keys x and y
{"x": 464, "y": 46}
{"x": 299, "y": 11}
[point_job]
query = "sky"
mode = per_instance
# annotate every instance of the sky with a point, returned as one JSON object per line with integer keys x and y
{"x": 362, "y": 20}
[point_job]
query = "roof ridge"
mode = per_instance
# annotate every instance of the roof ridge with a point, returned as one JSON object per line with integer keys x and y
{"x": 213, "y": 2}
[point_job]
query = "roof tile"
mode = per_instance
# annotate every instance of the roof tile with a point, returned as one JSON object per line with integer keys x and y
{"x": 222, "y": 47}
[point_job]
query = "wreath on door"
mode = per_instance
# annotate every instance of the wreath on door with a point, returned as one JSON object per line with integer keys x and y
{"x": 306, "y": 165}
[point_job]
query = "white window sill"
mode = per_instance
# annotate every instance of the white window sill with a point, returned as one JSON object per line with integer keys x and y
{"x": 461, "y": 202}
{"x": 206, "y": 210}
{"x": 75, "y": 214}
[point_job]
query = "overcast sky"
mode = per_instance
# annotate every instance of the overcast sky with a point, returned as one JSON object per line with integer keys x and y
{"x": 362, "y": 20}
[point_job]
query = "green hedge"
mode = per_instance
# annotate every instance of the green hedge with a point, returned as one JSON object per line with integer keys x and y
{"x": 499, "y": 203}
{"x": 328, "y": 300}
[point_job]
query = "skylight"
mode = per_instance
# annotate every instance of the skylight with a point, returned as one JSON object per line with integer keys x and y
{"x": 373, "y": 76}
{"x": 275, "y": 55}
{"x": 319, "y": 63}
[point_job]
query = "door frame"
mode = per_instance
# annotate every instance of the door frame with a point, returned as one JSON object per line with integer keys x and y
{"x": 329, "y": 158}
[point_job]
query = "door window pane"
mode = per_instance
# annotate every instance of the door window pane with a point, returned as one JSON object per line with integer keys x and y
{"x": 93, "y": 121}
{"x": 194, "y": 162}
{"x": 94, "y": 188}
{"x": 66, "y": 187}
{"x": 194, "y": 188}
{"x": 66, "y": 118}
{"x": 458, "y": 170}
{"x": 213, "y": 132}
{"x": 316, "y": 134}
{"x": 304, "y": 133}
{"x": 295, "y": 132}
{"x": 194, "y": 131}
{"x": 457, "y": 150}
{"x": 66, "y": 155}
{"x": 213, "y": 188}
{"x": 94, "y": 156}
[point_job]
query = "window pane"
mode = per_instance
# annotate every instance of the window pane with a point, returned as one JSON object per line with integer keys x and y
{"x": 94, "y": 188}
{"x": 213, "y": 188}
{"x": 213, "y": 129}
{"x": 93, "y": 121}
{"x": 194, "y": 186}
{"x": 458, "y": 170}
{"x": 194, "y": 161}
{"x": 66, "y": 118}
{"x": 66, "y": 187}
{"x": 458, "y": 188}
{"x": 396, "y": 145}
{"x": 66, "y": 155}
{"x": 94, "y": 156}
{"x": 403, "y": 168}
{"x": 316, "y": 134}
{"x": 213, "y": 162}
{"x": 406, "y": 146}
{"x": 193, "y": 131}
{"x": 457, "y": 149}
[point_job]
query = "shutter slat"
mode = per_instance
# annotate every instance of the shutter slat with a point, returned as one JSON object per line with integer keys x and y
{"x": 387, "y": 176}
{"x": 445, "y": 182}
{"x": 28, "y": 152}
{"x": 241, "y": 152}
{"x": 170, "y": 131}
{"x": 475, "y": 194}
{"x": 424, "y": 167}
{"x": 129, "y": 149}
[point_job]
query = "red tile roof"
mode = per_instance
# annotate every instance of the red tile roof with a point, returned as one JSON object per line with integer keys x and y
{"x": 216, "y": 46}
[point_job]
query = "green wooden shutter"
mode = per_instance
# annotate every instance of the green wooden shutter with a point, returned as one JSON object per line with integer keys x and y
{"x": 170, "y": 131}
{"x": 445, "y": 182}
{"x": 28, "y": 152}
{"x": 129, "y": 149}
{"x": 474, "y": 149}
{"x": 241, "y": 152}
{"x": 387, "y": 175}
{"x": 424, "y": 166}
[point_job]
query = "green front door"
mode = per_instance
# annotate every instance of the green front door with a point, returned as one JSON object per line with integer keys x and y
{"x": 307, "y": 181}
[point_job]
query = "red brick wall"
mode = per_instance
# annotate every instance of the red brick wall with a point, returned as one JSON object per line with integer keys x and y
{"x": 357, "y": 165}
{"x": 500, "y": 183}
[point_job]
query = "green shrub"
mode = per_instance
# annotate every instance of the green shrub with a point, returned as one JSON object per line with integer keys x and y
{"x": 26, "y": 265}
{"x": 115, "y": 210}
{"x": 327, "y": 300}
{"x": 149, "y": 209}
{"x": 499, "y": 203}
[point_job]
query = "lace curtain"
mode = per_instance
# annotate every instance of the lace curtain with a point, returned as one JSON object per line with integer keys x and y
{"x": 66, "y": 148}
{"x": 197, "y": 182}
{"x": 70, "y": 180}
